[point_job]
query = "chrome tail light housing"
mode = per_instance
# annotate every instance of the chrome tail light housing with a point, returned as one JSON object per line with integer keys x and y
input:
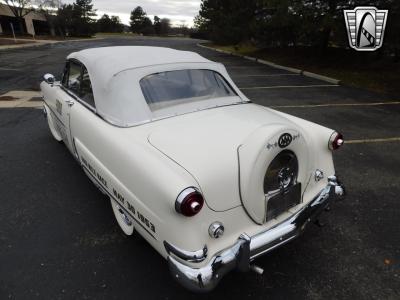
{"x": 189, "y": 202}
{"x": 336, "y": 140}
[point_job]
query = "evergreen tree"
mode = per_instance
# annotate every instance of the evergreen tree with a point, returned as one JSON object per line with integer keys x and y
{"x": 109, "y": 24}
{"x": 227, "y": 21}
{"x": 157, "y": 25}
{"x": 77, "y": 19}
{"x": 139, "y": 20}
{"x": 86, "y": 10}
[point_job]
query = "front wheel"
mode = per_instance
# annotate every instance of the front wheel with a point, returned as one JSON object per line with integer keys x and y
{"x": 123, "y": 219}
{"x": 54, "y": 132}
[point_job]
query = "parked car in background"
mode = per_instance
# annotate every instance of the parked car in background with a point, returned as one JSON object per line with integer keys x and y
{"x": 209, "y": 179}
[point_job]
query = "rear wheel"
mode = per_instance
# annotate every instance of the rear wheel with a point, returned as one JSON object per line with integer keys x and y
{"x": 124, "y": 221}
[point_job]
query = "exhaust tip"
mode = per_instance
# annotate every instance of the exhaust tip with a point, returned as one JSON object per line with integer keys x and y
{"x": 257, "y": 269}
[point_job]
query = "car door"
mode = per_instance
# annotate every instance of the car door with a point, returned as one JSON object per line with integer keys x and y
{"x": 58, "y": 102}
{"x": 83, "y": 111}
{"x": 76, "y": 91}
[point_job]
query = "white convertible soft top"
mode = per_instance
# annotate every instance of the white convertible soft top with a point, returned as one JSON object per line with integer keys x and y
{"x": 115, "y": 73}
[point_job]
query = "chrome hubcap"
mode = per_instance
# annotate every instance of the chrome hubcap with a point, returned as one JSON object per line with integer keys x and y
{"x": 124, "y": 217}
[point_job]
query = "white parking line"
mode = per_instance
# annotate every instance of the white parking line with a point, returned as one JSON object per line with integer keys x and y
{"x": 337, "y": 104}
{"x": 287, "y": 86}
{"x": 266, "y": 75}
{"x": 7, "y": 69}
{"x": 246, "y": 67}
{"x": 382, "y": 140}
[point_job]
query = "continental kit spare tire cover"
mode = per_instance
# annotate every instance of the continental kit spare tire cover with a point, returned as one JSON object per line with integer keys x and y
{"x": 255, "y": 155}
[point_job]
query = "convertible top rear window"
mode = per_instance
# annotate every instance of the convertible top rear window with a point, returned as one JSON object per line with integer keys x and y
{"x": 166, "y": 89}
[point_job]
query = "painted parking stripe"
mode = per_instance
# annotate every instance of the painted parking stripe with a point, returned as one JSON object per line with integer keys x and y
{"x": 266, "y": 75}
{"x": 7, "y": 69}
{"x": 337, "y": 104}
{"x": 287, "y": 86}
{"x": 382, "y": 140}
{"x": 247, "y": 67}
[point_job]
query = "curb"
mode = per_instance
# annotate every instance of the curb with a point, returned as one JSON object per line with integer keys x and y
{"x": 321, "y": 77}
{"x": 293, "y": 70}
{"x": 33, "y": 44}
{"x": 274, "y": 65}
{"x": 41, "y": 43}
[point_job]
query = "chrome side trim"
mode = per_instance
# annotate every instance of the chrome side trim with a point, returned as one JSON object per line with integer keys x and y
{"x": 191, "y": 256}
{"x": 105, "y": 191}
{"x": 246, "y": 249}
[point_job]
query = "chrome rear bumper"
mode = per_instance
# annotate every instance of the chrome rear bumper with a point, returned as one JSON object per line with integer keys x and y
{"x": 246, "y": 249}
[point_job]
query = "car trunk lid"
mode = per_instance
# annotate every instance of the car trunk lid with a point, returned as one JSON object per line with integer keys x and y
{"x": 208, "y": 145}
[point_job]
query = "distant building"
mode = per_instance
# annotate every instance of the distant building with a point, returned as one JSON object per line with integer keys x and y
{"x": 35, "y": 22}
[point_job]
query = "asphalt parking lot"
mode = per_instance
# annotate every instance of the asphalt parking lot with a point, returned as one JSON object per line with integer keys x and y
{"x": 59, "y": 240}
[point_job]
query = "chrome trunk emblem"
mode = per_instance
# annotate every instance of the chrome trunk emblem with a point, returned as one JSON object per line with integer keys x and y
{"x": 285, "y": 140}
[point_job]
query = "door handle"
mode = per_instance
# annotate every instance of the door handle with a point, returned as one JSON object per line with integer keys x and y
{"x": 70, "y": 102}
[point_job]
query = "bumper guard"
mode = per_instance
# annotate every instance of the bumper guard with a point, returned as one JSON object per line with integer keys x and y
{"x": 246, "y": 248}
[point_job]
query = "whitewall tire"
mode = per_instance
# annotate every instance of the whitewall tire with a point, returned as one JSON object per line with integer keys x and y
{"x": 124, "y": 221}
{"x": 54, "y": 132}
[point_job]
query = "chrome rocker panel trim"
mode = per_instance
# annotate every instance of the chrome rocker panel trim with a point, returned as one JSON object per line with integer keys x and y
{"x": 246, "y": 249}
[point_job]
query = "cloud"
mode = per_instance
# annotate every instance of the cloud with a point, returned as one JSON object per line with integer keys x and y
{"x": 179, "y": 11}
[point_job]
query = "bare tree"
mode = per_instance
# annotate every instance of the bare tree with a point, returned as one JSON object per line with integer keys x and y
{"x": 49, "y": 8}
{"x": 165, "y": 26}
{"x": 20, "y": 8}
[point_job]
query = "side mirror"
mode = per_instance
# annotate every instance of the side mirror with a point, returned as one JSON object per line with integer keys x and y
{"x": 49, "y": 78}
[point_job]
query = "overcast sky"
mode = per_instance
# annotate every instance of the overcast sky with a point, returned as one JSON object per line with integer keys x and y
{"x": 178, "y": 11}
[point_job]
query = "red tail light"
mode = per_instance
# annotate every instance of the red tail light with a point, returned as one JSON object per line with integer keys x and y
{"x": 336, "y": 141}
{"x": 189, "y": 202}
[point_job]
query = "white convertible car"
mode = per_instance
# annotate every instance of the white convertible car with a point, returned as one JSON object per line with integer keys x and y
{"x": 209, "y": 179}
